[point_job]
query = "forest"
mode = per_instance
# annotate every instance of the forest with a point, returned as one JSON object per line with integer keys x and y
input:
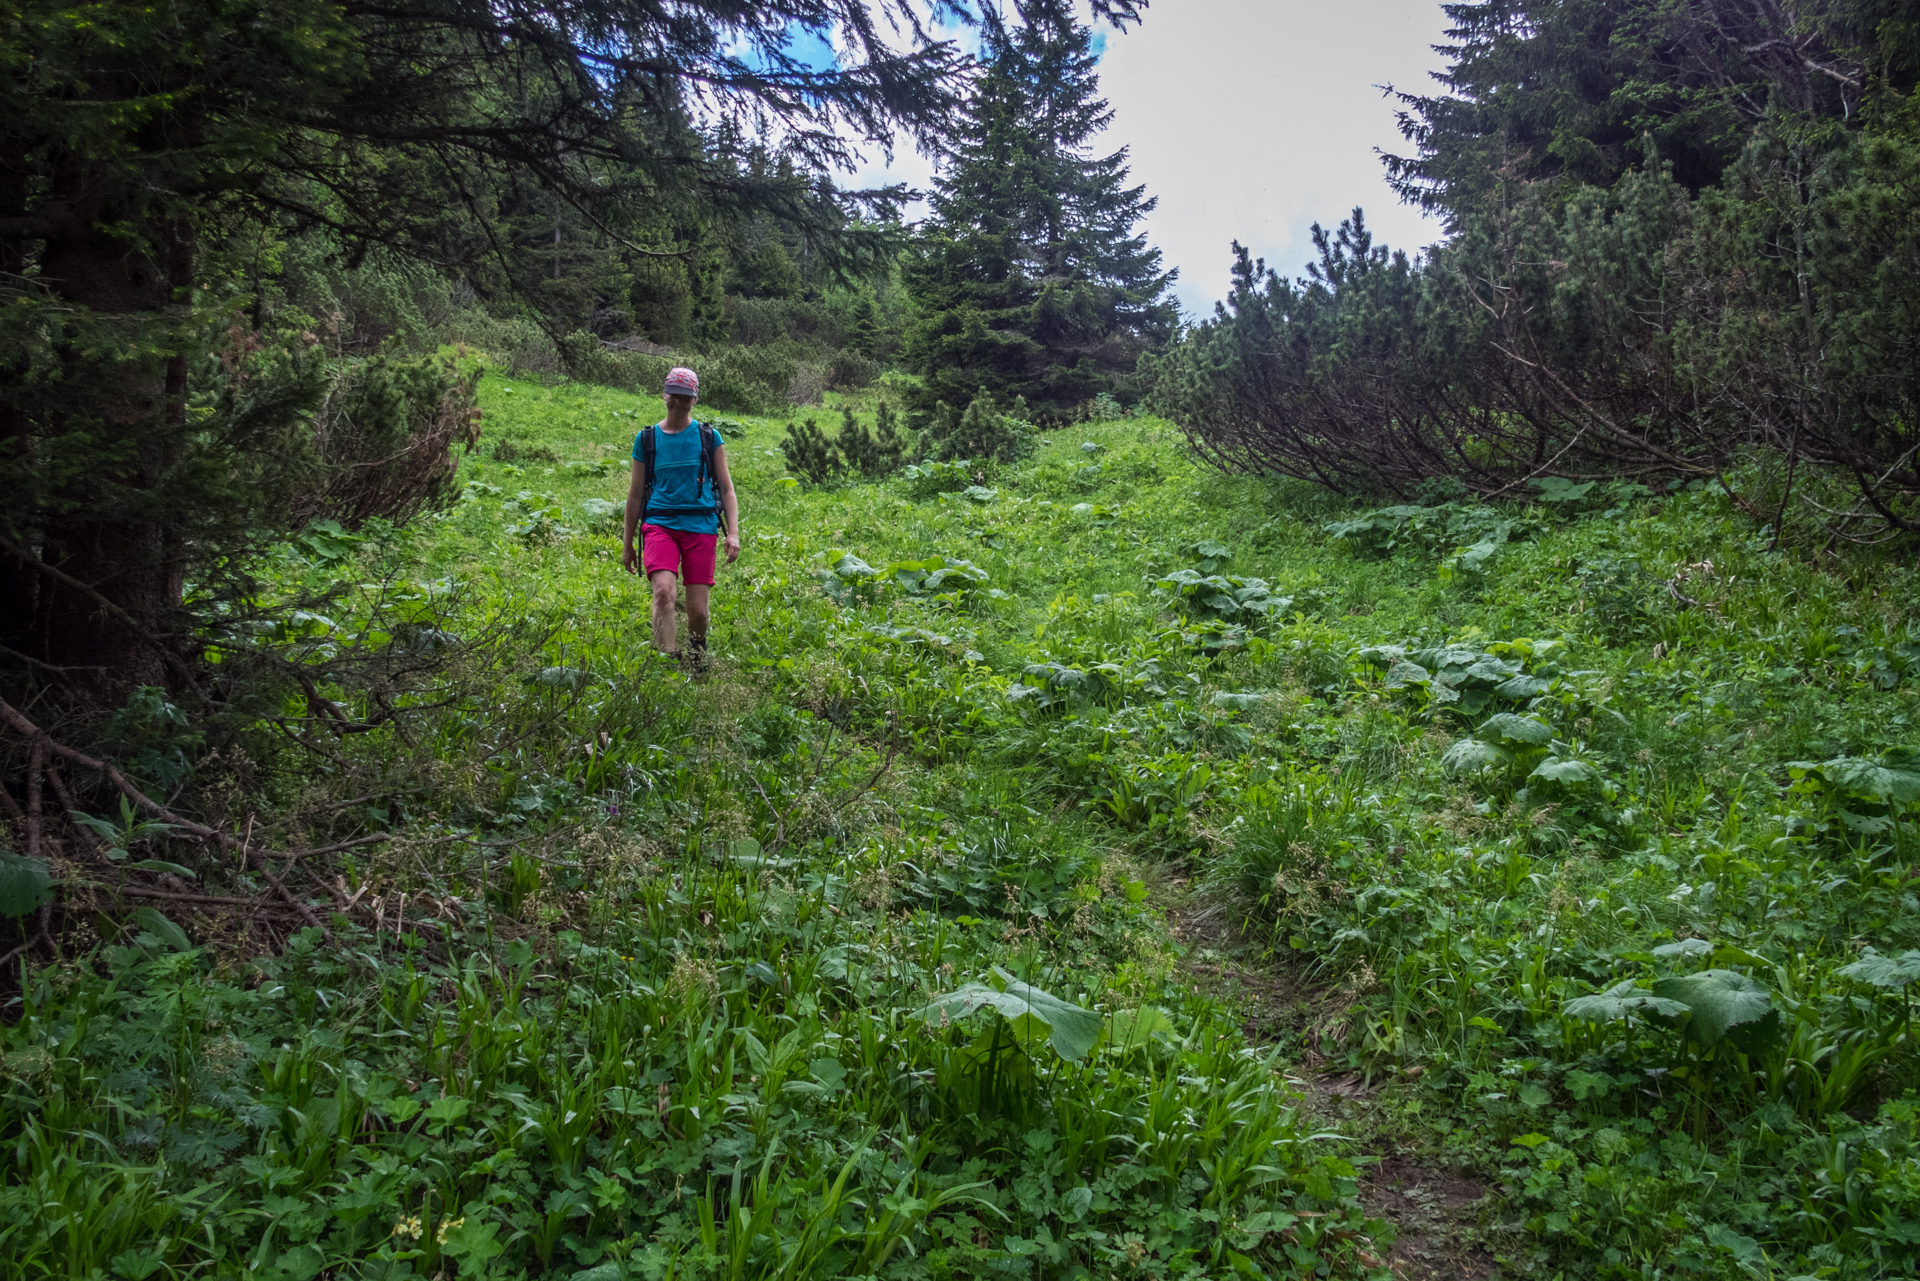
{"x": 1412, "y": 774}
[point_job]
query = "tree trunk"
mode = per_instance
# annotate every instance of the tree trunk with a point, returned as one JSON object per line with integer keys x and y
{"x": 134, "y": 405}
{"x": 19, "y": 580}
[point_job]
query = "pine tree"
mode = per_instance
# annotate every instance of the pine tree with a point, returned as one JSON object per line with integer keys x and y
{"x": 1031, "y": 278}
{"x": 872, "y": 454}
{"x": 983, "y": 432}
{"x": 810, "y": 453}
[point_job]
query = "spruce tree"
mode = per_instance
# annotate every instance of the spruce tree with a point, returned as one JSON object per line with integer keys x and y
{"x": 809, "y": 452}
{"x": 863, "y": 326}
{"x": 887, "y": 433}
{"x": 1032, "y": 278}
{"x": 873, "y": 454}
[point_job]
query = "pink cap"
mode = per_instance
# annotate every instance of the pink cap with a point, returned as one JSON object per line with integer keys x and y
{"x": 682, "y": 381}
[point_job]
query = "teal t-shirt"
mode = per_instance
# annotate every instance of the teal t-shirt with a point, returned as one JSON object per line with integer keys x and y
{"x": 677, "y": 482}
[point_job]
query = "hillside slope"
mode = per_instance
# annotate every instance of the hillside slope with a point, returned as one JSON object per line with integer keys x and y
{"x": 1573, "y": 824}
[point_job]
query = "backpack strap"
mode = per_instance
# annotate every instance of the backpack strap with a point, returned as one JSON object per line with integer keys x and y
{"x": 709, "y": 473}
{"x": 709, "y": 445}
{"x": 647, "y": 447}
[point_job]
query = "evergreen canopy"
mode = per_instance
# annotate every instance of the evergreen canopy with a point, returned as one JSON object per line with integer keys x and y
{"x": 1585, "y": 89}
{"x": 1684, "y": 246}
{"x": 1031, "y": 277}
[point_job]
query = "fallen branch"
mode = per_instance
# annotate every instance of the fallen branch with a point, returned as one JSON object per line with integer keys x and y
{"x": 210, "y": 900}
{"x": 165, "y": 651}
{"x": 254, "y": 854}
{"x": 48, "y": 668}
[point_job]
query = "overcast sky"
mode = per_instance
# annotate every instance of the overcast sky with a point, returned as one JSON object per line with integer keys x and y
{"x": 1251, "y": 120}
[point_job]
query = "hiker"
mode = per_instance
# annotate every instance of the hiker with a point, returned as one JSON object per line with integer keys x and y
{"x": 681, "y": 498}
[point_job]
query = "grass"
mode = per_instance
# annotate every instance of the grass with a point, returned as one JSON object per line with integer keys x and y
{"x": 660, "y": 996}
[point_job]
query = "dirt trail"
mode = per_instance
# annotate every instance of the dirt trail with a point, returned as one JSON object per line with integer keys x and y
{"x": 1437, "y": 1212}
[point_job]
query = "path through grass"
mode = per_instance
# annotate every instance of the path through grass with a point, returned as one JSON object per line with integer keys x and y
{"x": 1578, "y": 833}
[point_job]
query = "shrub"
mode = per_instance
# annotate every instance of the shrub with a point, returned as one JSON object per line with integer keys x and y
{"x": 876, "y": 453}
{"x": 810, "y": 453}
{"x": 747, "y": 379}
{"x": 516, "y": 449}
{"x": 850, "y": 371}
{"x": 384, "y": 437}
{"x": 983, "y": 431}
{"x": 809, "y": 381}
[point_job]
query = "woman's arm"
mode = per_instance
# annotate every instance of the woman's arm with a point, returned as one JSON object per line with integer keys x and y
{"x": 629, "y": 558}
{"x": 728, "y": 502}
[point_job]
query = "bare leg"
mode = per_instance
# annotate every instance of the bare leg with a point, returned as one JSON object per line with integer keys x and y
{"x": 665, "y": 585}
{"x": 697, "y": 614}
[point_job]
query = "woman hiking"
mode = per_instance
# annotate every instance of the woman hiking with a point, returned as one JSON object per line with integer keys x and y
{"x": 681, "y": 499}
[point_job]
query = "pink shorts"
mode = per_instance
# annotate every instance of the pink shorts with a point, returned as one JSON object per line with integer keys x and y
{"x": 688, "y": 555}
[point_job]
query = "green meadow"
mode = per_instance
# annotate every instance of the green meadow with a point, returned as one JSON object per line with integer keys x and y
{"x": 1042, "y": 840}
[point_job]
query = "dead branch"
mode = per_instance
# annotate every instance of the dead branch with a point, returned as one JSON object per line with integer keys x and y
{"x": 167, "y": 655}
{"x": 255, "y": 855}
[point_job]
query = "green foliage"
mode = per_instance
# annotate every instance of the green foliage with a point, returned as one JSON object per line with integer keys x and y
{"x": 1857, "y": 798}
{"x": 1202, "y": 593}
{"x": 874, "y": 454}
{"x": 128, "y": 829}
{"x": 1071, "y": 1031}
{"x": 983, "y": 431}
{"x": 980, "y": 750}
{"x": 1722, "y": 1004}
{"x": 932, "y": 478}
{"x": 1468, "y": 529}
{"x": 1031, "y": 279}
{"x": 1467, "y": 679}
{"x": 848, "y": 578}
{"x": 25, "y": 884}
{"x": 560, "y": 1141}
{"x": 809, "y": 452}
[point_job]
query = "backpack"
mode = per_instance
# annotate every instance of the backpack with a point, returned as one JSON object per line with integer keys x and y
{"x": 709, "y": 442}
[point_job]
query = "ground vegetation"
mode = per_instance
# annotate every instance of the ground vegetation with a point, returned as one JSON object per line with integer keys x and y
{"x": 1577, "y": 830}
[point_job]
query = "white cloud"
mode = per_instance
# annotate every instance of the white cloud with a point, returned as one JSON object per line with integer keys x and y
{"x": 1252, "y": 120}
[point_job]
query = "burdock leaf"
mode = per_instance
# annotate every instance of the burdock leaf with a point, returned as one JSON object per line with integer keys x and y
{"x": 1403, "y": 673}
{"x": 1470, "y": 754}
{"x": 1725, "y": 1004}
{"x": 1131, "y": 1029}
{"x": 1565, "y": 772}
{"x": 1885, "y": 971}
{"x": 1870, "y": 778}
{"x": 1620, "y": 1001}
{"x": 1072, "y": 1030}
{"x": 1505, "y": 727}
